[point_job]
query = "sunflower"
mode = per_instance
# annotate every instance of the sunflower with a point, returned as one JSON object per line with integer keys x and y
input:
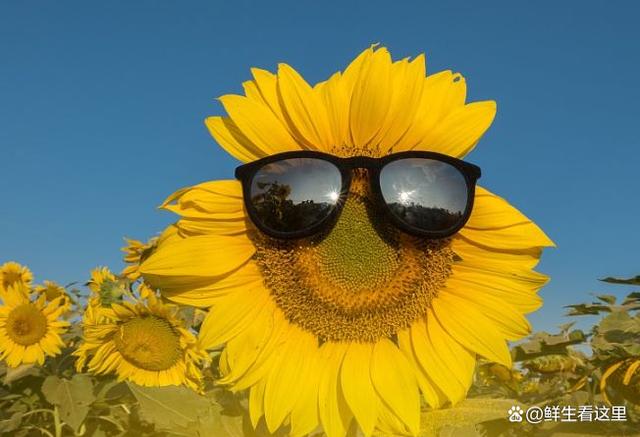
{"x": 30, "y": 328}
{"x": 136, "y": 252}
{"x": 142, "y": 341}
{"x": 51, "y": 290}
{"x": 624, "y": 376}
{"x": 12, "y": 273}
{"x": 357, "y": 325}
{"x": 105, "y": 288}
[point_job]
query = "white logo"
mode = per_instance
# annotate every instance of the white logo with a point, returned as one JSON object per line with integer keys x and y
{"x": 515, "y": 414}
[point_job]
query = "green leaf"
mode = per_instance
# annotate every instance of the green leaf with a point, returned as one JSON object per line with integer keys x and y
{"x": 587, "y": 309}
{"x": 607, "y": 298}
{"x": 72, "y": 396}
{"x": 631, "y": 281}
{"x": 543, "y": 343}
{"x": 466, "y": 415}
{"x": 11, "y": 424}
{"x": 171, "y": 406}
{"x": 620, "y": 321}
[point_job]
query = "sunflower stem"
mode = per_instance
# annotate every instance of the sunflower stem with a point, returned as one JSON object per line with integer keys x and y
{"x": 56, "y": 421}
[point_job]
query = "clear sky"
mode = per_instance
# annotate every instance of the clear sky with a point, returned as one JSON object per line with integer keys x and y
{"x": 102, "y": 107}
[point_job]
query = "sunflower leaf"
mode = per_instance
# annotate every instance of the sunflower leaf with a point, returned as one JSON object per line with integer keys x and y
{"x": 72, "y": 396}
{"x": 631, "y": 281}
{"x": 168, "y": 407}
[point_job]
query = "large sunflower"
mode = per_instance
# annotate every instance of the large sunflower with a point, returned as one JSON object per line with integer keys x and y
{"x": 356, "y": 326}
{"x": 141, "y": 340}
{"x": 30, "y": 327}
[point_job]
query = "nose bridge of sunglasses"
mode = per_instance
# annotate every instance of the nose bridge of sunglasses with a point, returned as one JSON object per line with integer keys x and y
{"x": 360, "y": 182}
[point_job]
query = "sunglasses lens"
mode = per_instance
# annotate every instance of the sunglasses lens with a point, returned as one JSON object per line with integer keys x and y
{"x": 292, "y": 195}
{"x": 424, "y": 193}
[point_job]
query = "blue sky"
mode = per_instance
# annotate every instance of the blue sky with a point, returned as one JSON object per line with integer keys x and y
{"x": 102, "y": 107}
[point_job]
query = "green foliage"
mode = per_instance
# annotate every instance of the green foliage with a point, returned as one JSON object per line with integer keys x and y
{"x": 72, "y": 397}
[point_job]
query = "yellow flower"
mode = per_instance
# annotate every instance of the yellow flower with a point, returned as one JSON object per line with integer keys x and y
{"x": 136, "y": 252}
{"x": 624, "y": 377}
{"x": 357, "y": 325}
{"x": 142, "y": 341}
{"x": 12, "y": 273}
{"x": 105, "y": 287}
{"x": 52, "y": 290}
{"x": 30, "y": 329}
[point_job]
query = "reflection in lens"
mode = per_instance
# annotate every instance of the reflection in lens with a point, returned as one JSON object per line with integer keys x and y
{"x": 294, "y": 194}
{"x": 424, "y": 193}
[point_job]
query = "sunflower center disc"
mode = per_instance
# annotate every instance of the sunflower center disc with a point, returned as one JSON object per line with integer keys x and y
{"x": 26, "y": 324}
{"x": 362, "y": 281}
{"x": 149, "y": 343}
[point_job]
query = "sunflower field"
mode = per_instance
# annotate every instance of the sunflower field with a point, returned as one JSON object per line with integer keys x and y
{"x": 77, "y": 361}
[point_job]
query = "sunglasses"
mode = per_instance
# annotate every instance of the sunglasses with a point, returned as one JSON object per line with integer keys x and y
{"x": 298, "y": 194}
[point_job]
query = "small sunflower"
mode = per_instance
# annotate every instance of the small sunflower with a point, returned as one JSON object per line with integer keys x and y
{"x": 30, "y": 328}
{"x": 624, "y": 376}
{"x": 105, "y": 287}
{"x": 141, "y": 341}
{"x": 354, "y": 326}
{"x": 51, "y": 290}
{"x": 136, "y": 252}
{"x": 12, "y": 273}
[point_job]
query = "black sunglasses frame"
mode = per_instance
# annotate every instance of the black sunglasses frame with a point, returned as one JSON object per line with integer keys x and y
{"x": 246, "y": 172}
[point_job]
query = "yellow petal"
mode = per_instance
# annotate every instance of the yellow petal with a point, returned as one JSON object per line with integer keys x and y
{"x": 352, "y": 72}
{"x": 245, "y": 349}
{"x": 522, "y": 236}
{"x": 232, "y": 140}
{"x": 442, "y": 92}
{"x": 215, "y": 200}
{"x": 494, "y": 223}
{"x": 444, "y": 377}
{"x": 393, "y": 378}
{"x": 460, "y": 131}
{"x": 258, "y": 123}
{"x": 389, "y": 423}
{"x": 521, "y": 299}
{"x": 427, "y": 386}
{"x": 266, "y": 359}
{"x": 511, "y": 323}
{"x": 371, "y": 97}
{"x": 357, "y": 386}
{"x": 630, "y": 372}
{"x": 267, "y": 83}
{"x": 336, "y": 99}
{"x": 284, "y": 380}
{"x": 525, "y": 259}
{"x": 459, "y": 360}
{"x": 305, "y": 108}
{"x": 471, "y": 328}
{"x": 231, "y": 316}
{"x": 256, "y": 402}
{"x": 192, "y": 227}
{"x": 205, "y": 292}
{"x": 407, "y": 83}
{"x": 251, "y": 90}
{"x": 334, "y": 412}
{"x": 304, "y": 416}
{"x": 202, "y": 256}
{"x": 507, "y": 278}
{"x": 493, "y": 212}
